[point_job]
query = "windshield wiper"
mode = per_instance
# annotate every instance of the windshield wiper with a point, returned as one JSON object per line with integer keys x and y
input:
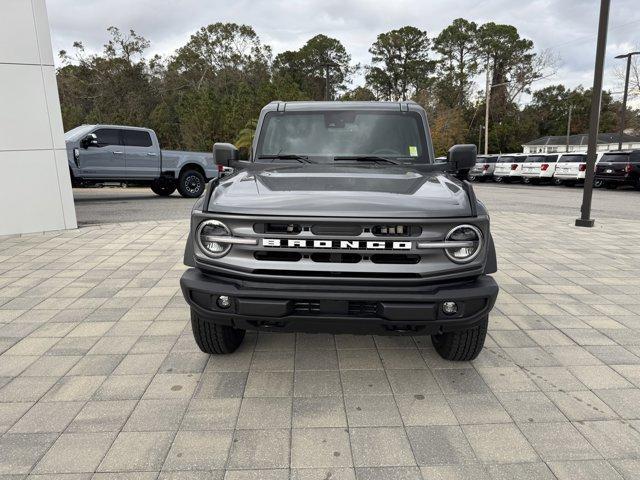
{"x": 366, "y": 158}
{"x": 284, "y": 156}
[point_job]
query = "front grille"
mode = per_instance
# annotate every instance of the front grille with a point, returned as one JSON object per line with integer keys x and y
{"x": 337, "y": 250}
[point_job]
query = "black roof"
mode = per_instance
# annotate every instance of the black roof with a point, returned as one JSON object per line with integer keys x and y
{"x": 583, "y": 138}
{"x": 311, "y": 105}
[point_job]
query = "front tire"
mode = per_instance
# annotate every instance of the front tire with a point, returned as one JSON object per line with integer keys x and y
{"x": 463, "y": 345}
{"x": 163, "y": 187}
{"x": 213, "y": 338}
{"x": 191, "y": 184}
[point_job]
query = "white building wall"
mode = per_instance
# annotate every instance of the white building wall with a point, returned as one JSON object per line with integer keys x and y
{"x": 36, "y": 194}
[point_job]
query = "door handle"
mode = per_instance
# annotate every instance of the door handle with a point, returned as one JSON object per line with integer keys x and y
{"x": 117, "y": 152}
{"x": 151, "y": 154}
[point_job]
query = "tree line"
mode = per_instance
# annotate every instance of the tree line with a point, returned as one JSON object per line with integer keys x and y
{"x": 213, "y": 87}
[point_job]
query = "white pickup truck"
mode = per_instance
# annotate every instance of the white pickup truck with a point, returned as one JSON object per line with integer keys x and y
{"x": 115, "y": 153}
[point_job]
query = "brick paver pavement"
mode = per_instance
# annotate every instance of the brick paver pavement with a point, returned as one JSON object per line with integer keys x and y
{"x": 100, "y": 376}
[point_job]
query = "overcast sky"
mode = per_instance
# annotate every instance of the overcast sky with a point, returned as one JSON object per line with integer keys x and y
{"x": 567, "y": 27}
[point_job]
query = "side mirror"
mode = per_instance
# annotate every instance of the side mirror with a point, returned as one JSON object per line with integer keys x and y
{"x": 461, "y": 157}
{"x": 91, "y": 140}
{"x": 224, "y": 154}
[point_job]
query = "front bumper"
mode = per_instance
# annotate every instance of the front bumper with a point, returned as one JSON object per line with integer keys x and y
{"x": 314, "y": 308}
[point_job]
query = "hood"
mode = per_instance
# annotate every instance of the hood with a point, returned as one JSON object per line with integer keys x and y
{"x": 340, "y": 191}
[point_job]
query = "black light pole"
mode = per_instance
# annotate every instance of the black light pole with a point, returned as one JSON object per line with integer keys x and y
{"x": 626, "y": 93}
{"x": 569, "y": 127}
{"x": 585, "y": 219}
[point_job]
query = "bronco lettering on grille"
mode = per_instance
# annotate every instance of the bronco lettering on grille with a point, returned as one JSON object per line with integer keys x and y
{"x": 336, "y": 244}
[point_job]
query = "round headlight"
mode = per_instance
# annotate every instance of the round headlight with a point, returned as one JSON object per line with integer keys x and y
{"x": 206, "y": 234}
{"x": 468, "y": 234}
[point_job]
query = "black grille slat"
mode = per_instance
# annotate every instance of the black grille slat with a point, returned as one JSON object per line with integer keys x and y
{"x": 322, "y": 257}
{"x": 354, "y": 308}
{"x": 283, "y": 228}
{"x": 395, "y": 259}
{"x": 363, "y": 309}
{"x": 337, "y": 230}
{"x": 276, "y": 256}
{"x": 306, "y": 306}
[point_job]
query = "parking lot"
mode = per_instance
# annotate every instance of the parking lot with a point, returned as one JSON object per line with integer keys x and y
{"x": 109, "y": 205}
{"x": 100, "y": 376}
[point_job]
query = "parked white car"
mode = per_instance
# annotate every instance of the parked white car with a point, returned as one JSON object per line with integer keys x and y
{"x": 539, "y": 168}
{"x": 571, "y": 168}
{"x": 509, "y": 167}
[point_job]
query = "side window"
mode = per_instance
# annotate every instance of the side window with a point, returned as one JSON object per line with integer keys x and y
{"x": 108, "y": 136}
{"x": 137, "y": 138}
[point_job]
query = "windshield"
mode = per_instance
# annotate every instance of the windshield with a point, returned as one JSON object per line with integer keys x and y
{"x": 542, "y": 158}
{"x": 615, "y": 157}
{"x": 329, "y": 134}
{"x": 487, "y": 159}
{"x": 78, "y": 132}
{"x": 507, "y": 159}
{"x": 573, "y": 158}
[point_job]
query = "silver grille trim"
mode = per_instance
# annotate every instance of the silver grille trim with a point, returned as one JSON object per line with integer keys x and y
{"x": 452, "y": 244}
{"x": 230, "y": 240}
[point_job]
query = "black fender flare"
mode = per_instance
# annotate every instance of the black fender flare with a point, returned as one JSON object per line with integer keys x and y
{"x": 188, "y": 259}
{"x": 491, "y": 266}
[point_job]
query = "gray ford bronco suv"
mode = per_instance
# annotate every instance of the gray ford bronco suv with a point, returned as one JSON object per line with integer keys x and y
{"x": 341, "y": 222}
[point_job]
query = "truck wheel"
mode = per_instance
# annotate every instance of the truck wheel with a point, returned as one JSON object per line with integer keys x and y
{"x": 463, "y": 345}
{"x": 163, "y": 187}
{"x": 191, "y": 184}
{"x": 213, "y": 338}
